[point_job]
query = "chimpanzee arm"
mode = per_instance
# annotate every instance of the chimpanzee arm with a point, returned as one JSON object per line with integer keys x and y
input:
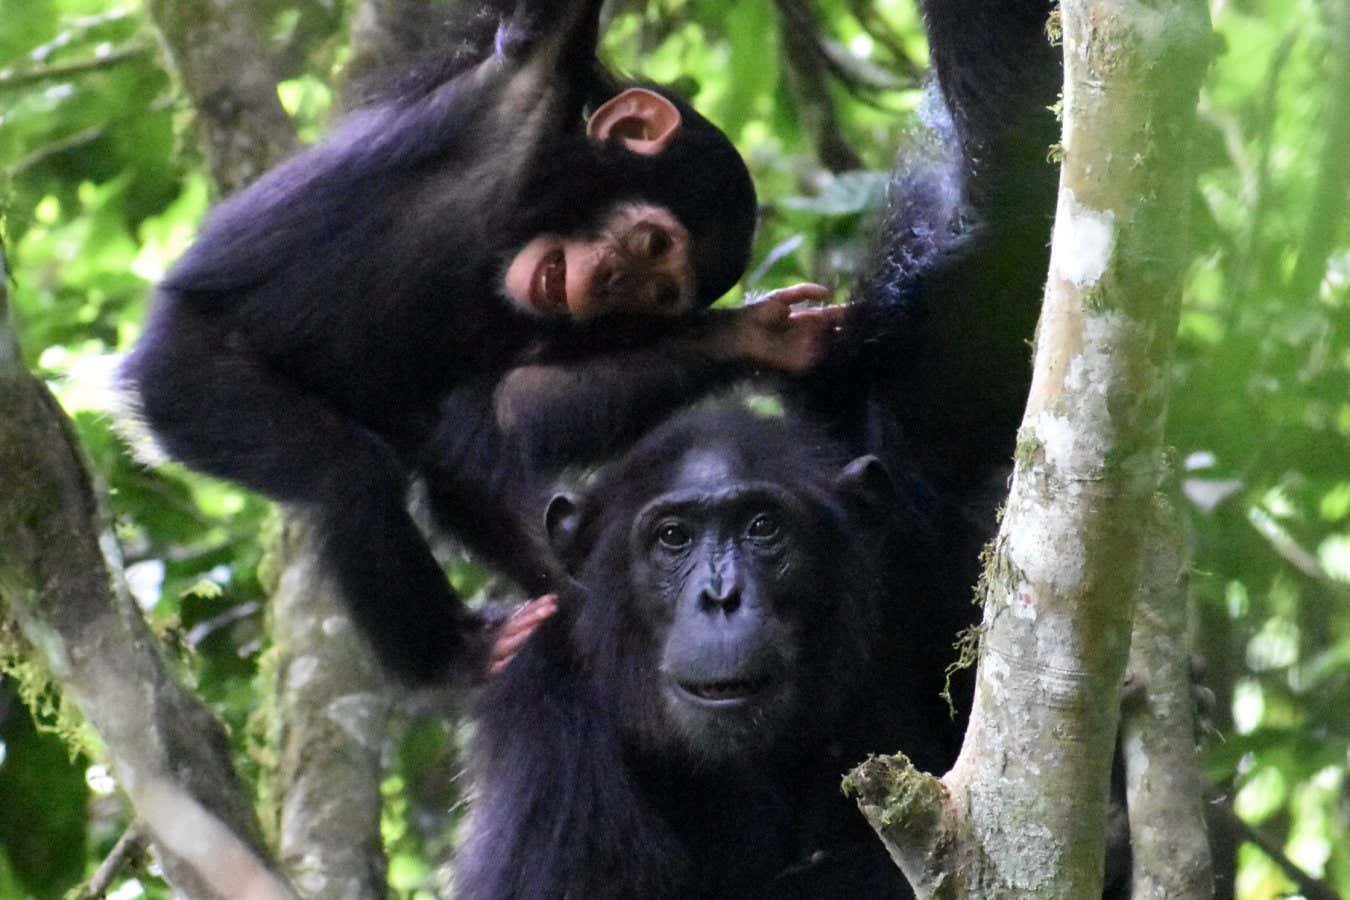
{"x": 560, "y": 812}
{"x": 944, "y": 309}
{"x": 576, "y": 414}
{"x": 586, "y": 409}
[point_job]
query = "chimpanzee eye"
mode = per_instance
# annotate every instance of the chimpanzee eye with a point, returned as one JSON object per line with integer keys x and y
{"x": 673, "y": 536}
{"x": 648, "y": 241}
{"x": 763, "y": 527}
{"x": 658, "y": 243}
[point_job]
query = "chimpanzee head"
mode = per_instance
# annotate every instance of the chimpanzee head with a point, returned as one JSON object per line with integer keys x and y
{"x": 731, "y": 571}
{"x": 651, "y": 211}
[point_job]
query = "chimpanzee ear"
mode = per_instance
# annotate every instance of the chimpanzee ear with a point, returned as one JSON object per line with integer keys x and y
{"x": 867, "y": 486}
{"x": 642, "y": 120}
{"x": 561, "y": 521}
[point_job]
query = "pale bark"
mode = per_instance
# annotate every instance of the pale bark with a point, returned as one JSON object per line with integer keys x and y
{"x": 1164, "y": 786}
{"x": 1022, "y": 813}
{"x": 333, "y": 718}
{"x": 60, "y": 576}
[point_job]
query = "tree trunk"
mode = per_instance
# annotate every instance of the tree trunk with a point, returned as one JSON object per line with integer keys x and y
{"x": 1022, "y": 813}
{"x": 333, "y": 715}
{"x": 61, "y": 579}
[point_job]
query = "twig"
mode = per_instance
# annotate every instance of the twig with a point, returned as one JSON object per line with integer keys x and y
{"x": 1308, "y": 886}
{"x": 128, "y": 846}
{"x": 44, "y": 153}
{"x": 807, "y": 80}
{"x": 1289, "y": 549}
{"x": 799, "y": 21}
{"x": 12, "y": 79}
{"x": 878, "y": 31}
{"x": 79, "y": 29}
{"x": 1265, "y": 126}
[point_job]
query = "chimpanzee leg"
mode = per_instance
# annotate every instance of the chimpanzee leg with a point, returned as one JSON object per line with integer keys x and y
{"x": 225, "y": 411}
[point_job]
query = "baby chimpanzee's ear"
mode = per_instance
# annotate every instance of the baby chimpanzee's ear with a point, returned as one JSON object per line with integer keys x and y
{"x": 642, "y": 120}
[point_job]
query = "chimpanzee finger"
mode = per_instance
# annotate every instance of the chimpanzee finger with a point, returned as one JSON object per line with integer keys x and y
{"x": 834, "y": 315}
{"x": 797, "y": 293}
{"x": 518, "y": 628}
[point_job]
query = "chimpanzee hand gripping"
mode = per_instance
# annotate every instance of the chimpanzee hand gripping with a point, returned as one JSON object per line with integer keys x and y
{"x": 508, "y": 202}
{"x": 774, "y": 583}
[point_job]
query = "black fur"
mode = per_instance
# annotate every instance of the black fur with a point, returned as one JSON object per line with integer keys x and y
{"x": 331, "y": 314}
{"x": 596, "y": 778}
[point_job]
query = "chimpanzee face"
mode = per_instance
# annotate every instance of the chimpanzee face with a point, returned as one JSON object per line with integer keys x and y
{"x": 731, "y": 597}
{"x": 720, "y": 570}
{"x": 638, "y": 259}
{"x": 637, "y": 262}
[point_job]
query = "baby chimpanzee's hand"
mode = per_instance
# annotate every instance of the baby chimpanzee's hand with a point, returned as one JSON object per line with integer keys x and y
{"x": 772, "y": 334}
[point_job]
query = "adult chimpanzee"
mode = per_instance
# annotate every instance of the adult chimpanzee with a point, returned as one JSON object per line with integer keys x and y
{"x": 776, "y": 576}
{"x": 508, "y": 201}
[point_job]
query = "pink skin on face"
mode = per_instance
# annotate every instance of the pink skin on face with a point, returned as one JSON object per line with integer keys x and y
{"x": 532, "y": 279}
{"x": 556, "y": 275}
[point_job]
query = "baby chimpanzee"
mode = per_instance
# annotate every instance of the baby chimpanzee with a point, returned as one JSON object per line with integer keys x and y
{"x": 509, "y": 202}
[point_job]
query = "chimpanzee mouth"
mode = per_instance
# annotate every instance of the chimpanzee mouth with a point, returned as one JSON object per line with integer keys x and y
{"x": 548, "y": 286}
{"x": 725, "y": 691}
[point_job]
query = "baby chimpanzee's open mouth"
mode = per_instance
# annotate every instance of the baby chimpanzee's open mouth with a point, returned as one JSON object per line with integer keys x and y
{"x": 548, "y": 287}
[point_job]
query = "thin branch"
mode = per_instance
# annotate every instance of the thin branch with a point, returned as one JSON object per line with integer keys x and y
{"x": 11, "y": 79}
{"x": 880, "y": 33}
{"x": 799, "y": 20}
{"x": 1263, "y": 129}
{"x": 797, "y": 29}
{"x": 69, "y": 142}
{"x": 1305, "y": 884}
{"x": 80, "y": 28}
{"x": 128, "y": 847}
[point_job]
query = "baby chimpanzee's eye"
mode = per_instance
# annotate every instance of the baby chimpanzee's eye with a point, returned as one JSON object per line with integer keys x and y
{"x": 649, "y": 241}
{"x": 658, "y": 243}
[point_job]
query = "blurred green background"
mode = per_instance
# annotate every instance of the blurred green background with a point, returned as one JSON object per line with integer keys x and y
{"x": 101, "y": 186}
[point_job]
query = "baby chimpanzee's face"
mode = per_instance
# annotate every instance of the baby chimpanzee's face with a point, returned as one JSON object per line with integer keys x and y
{"x": 638, "y": 262}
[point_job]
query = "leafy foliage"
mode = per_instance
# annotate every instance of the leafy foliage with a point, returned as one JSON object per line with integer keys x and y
{"x": 102, "y": 188}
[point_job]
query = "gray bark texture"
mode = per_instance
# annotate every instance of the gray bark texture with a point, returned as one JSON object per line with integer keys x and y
{"x": 218, "y": 52}
{"x": 333, "y": 722}
{"x": 1165, "y": 788}
{"x": 1022, "y": 813}
{"x": 60, "y": 577}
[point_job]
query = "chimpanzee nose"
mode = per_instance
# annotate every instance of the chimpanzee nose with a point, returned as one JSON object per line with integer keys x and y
{"x": 720, "y": 592}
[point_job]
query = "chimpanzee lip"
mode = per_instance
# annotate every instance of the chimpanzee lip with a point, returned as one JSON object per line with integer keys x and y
{"x": 548, "y": 284}
{"x": 722, "y": 692}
